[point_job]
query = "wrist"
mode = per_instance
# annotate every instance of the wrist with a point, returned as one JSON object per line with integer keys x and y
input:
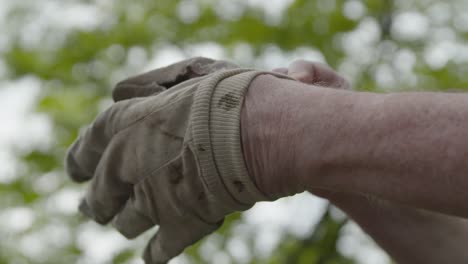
{"x": 281, "y": 147}
{"x": 266, "y": 125}
{"x": 296, "y": 137}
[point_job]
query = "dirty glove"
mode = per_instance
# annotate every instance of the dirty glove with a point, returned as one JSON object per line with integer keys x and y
{"x": 171, "y": 159}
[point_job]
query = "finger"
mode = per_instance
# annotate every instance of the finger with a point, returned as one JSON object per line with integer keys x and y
{"x": 317, "y": 74}
{"x": 158, "y": 80}
{"x": 112, "y": 185}
{"x": 152, "y": 194}
{"x": 139, "y": 213}
{"x": 85, "y": 153}
{"x": 171, "y": 240}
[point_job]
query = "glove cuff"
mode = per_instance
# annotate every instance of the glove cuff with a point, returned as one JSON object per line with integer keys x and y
{"x": 217, "y": 137}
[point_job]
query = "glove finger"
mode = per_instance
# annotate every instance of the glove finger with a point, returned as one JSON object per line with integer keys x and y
{"x": 85, "y": 153}
{"x": 156, "y": 81}
{"x": 112, "y": 184}
{"x": 138, "y": 215}
{"x": 172, "y": 239}
{"x": 161, "y": 191}
{"x": 317, "y": 74}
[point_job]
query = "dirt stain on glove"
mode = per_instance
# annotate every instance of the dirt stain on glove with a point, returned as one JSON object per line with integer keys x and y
{"x": 228, "y": 101}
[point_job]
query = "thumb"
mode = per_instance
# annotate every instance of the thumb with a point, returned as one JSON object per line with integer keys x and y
{"x": 171, "y": 240}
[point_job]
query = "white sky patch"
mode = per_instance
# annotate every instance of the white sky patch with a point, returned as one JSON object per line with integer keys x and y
{"x": 207, "y": 49}
{"x": 211, "y": 245}
{"x": 136, "y": 57}
{"x": 16, "y": 219}
{"x": 34, "y": 246}
{"x": 404, "y": 60}
{"x": 385, "y": 76}
{"x": 21, "y": 128}
{"x": 360, "y": 44}
{"x": 410, "y": 26}
{"x": 438, "y": 55}
{"x": 274, "y": 9}
{"x": 461, "y": 21}
{"x": 8, "y": 166}
{"x": 243, "y": 53}
{"x": 66, "y": 14}
{"x": 181, "y": 259}
{"x": 354, "y": 243}
{"x": 273, "y": 57}
{"x": 48, "y": 182}
{"x": 221, "y": 258}
{"x": 354, "y": 9}
{"x": 439, "y": 13}
{"x": 163, "y": 56}
{"x": 65, "y": 201}
{"x": 84, "y": 16}
{"x": 296, "y": 215}
{"x": 443, "y": 34}
{"x": 238, "y": 249}
{"x": 228, "y": 9}
{"x": 37, "y": 245}
{"x": 48, "y": 21}
{"x": 188, "y": 11}
{"x": 99, "y": 243}
{"x": 462, "y": 53}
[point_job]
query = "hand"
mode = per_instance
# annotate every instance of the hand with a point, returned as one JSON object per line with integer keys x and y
{"x": 147, "y": 168}
{"x": 168, "y": 157}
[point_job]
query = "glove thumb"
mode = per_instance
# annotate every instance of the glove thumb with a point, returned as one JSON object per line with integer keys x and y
{"x": 158, "y": 80}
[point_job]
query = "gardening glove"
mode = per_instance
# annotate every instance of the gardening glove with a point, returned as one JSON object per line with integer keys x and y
{"x": 168, "y": 157}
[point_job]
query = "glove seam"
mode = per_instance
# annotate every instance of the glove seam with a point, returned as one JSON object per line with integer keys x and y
{"x": 116, "y": 131}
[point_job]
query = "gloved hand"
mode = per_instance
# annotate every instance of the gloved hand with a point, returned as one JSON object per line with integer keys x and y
{"x": 173, "y": 157}
{"x": 168, "y": 157}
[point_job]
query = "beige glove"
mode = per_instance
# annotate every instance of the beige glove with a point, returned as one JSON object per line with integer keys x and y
{"x": 173, "y": 159}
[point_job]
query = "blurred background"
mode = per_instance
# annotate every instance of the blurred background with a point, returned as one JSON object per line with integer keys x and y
{"x": 59, "y": 60}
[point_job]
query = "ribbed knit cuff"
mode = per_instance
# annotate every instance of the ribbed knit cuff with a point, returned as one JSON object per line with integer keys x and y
{"x": 216, "y": 135}
{"x": 217, "y": 138}
{"x": 225, "y": 111}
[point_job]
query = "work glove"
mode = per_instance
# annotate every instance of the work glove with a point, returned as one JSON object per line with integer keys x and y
{"x": 168, "y": 157}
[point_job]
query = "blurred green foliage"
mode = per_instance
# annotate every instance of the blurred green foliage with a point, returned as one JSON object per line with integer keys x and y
{"x": 77, "y": 67}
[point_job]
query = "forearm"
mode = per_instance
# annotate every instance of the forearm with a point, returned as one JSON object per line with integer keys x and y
{"x": 406, "y": 147}
{"x": 409, "y": 235}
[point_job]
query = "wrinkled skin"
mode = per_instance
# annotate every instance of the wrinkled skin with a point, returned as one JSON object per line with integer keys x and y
{"x": 268, "y": 134}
